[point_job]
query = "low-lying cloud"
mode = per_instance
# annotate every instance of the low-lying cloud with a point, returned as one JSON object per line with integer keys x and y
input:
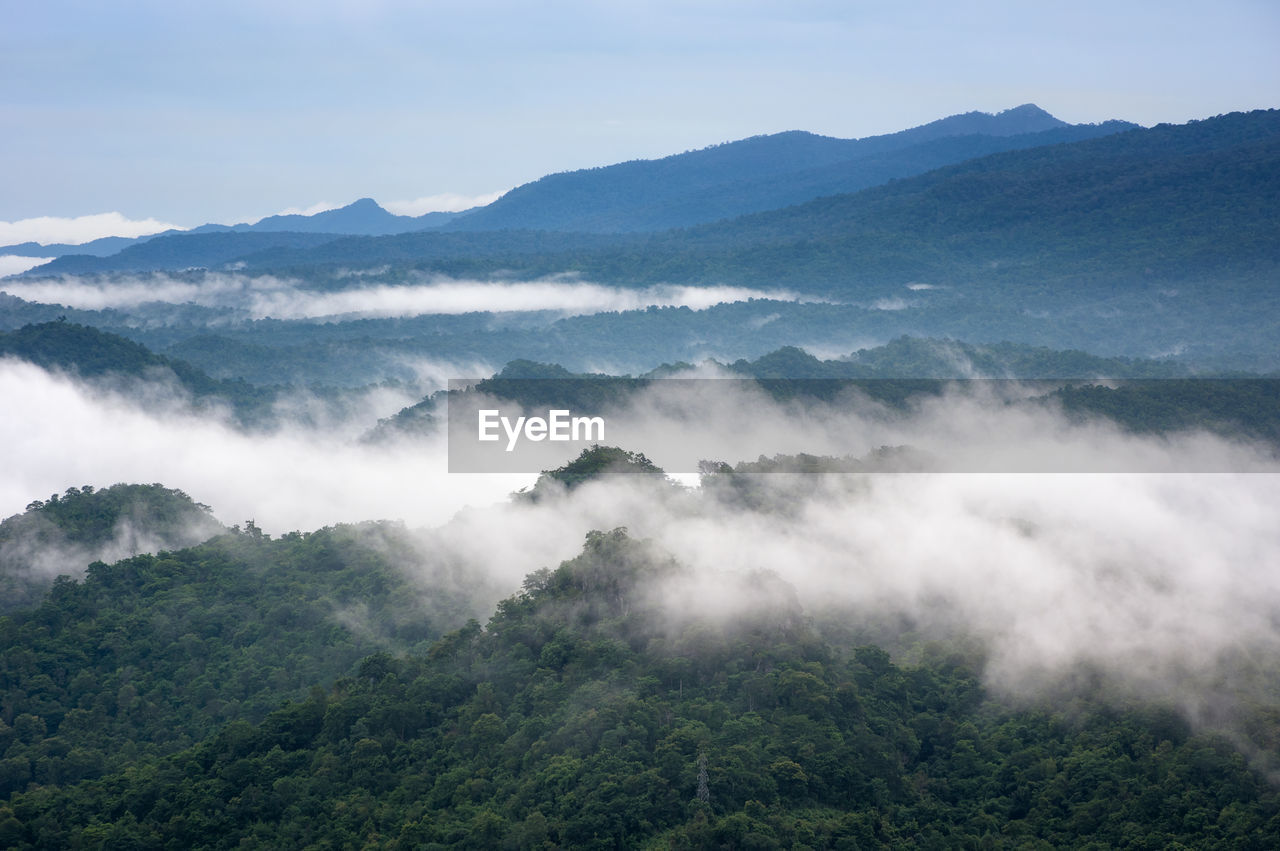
{"x": 36, "y": 550}
{"x": 1160, "y": 587}
{"x": 79, "y": 229}
{"x": 58, "y": 433}
{"x": 975, "y": 426}
{"x": 12, "y": 264}
{"x": 469, "y": 297}
{"x": 1165, "y": 585}
{"x": 265, "y": 296}
{"x": 445, "y": 202}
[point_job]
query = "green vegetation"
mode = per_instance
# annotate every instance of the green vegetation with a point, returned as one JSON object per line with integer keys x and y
{"x": 90, "y": 353}
{"x": 1237, "y": 408}
{"x": 591, "y": 713}
{"x": 63, "y": 534}
{"x": 591, "y": 464}
{"x": 154, "y": 653}
{"x": 335, "y": 689}
{"x": 1142, "y": 396}
{"x": 115, "y": 361}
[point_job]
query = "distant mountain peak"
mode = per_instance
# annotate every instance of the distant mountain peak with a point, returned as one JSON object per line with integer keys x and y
{"x": 1027, "y": 110}
{"x": 1027, "y": 118}
{"x": 363, "y": 216}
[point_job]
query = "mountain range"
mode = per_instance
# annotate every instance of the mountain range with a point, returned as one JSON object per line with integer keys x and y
{"x": 1170, "y": 203}
{"x": 363, "y": 218}
{"x": 761, "y": 173}
{"x": 1145, "y": 242}
{"x": 723, "y": 181}
{"x": 843, "y": 655}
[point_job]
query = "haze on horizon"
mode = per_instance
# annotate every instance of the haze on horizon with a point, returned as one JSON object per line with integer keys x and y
{"x": 189, "y": 115}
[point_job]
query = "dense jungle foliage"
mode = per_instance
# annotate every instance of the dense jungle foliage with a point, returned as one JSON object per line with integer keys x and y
{"x": 591, "y": 713}
{"x": 63, "y": 534}
{"x": 154, "y": 653}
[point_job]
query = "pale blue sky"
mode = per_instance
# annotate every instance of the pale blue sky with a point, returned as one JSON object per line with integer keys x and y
{"x": 227, "y": 111}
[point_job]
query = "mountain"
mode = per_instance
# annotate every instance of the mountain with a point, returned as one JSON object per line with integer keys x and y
{"x": 1141, "y": 243}
{"x": 90, "y": 353}
{"x": 1027, "y": 118}
{"x": 724, "y": 181}
{"x": 761, "y": 173}
{"x": 589, "y": 712}
{"x": 104, "y": 247}
{"x": 183, "y": 251}
{"x": 1170, "y": 203}
{"x": 362, "y": 218}
{"x": 153, "y": 653}
{"x": 1174, "y": 202}
{"x": 65, "y": 533}
{"x": 458, "y": 254}
{"x": 113, "y": 361}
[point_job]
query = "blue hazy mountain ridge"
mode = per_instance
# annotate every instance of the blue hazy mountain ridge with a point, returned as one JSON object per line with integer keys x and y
{"x": 723, "y": 181}
{"x": 184, "y": 251}
{"x": 1175, "y": 203}
{"x": 111, "y": 360}
{"x": 761, "y": 173}
{"x": 1151, "y": 241}
{"x": 103, "y": 247}
{"x": 360, "y": 218}
{"x": 454, "y": 253}
{"x": 783, "y": 190}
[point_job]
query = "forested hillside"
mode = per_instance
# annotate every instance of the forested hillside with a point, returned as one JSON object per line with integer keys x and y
{"x": 583, "y": 716}
{"x": 151, "y": 654}
{"x": 1141, "y": 396}
{"x": 63, "y": 534}
{"x": 90, "y": 353}
{"x": 672, "y": 456}
{"x": 182, "y": 251}
{"x": 1173, "y": 202}
{"x": 114, "y": 362}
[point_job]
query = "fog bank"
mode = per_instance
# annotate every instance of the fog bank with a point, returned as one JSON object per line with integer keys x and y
{"x": 1165, "y": 585}
{"x": 266, "y": 296}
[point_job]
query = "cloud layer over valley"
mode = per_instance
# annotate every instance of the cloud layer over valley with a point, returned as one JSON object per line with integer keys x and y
{"x": 1153, "y": 579}
{"x": 12, "y": 264}
{"x": 271, "y": 297}
{"x": 1165, "y": 585}
{"x": 78, "y": 229}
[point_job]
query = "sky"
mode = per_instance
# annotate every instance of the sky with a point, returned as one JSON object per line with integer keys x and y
{"x": 167, "y": 112}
